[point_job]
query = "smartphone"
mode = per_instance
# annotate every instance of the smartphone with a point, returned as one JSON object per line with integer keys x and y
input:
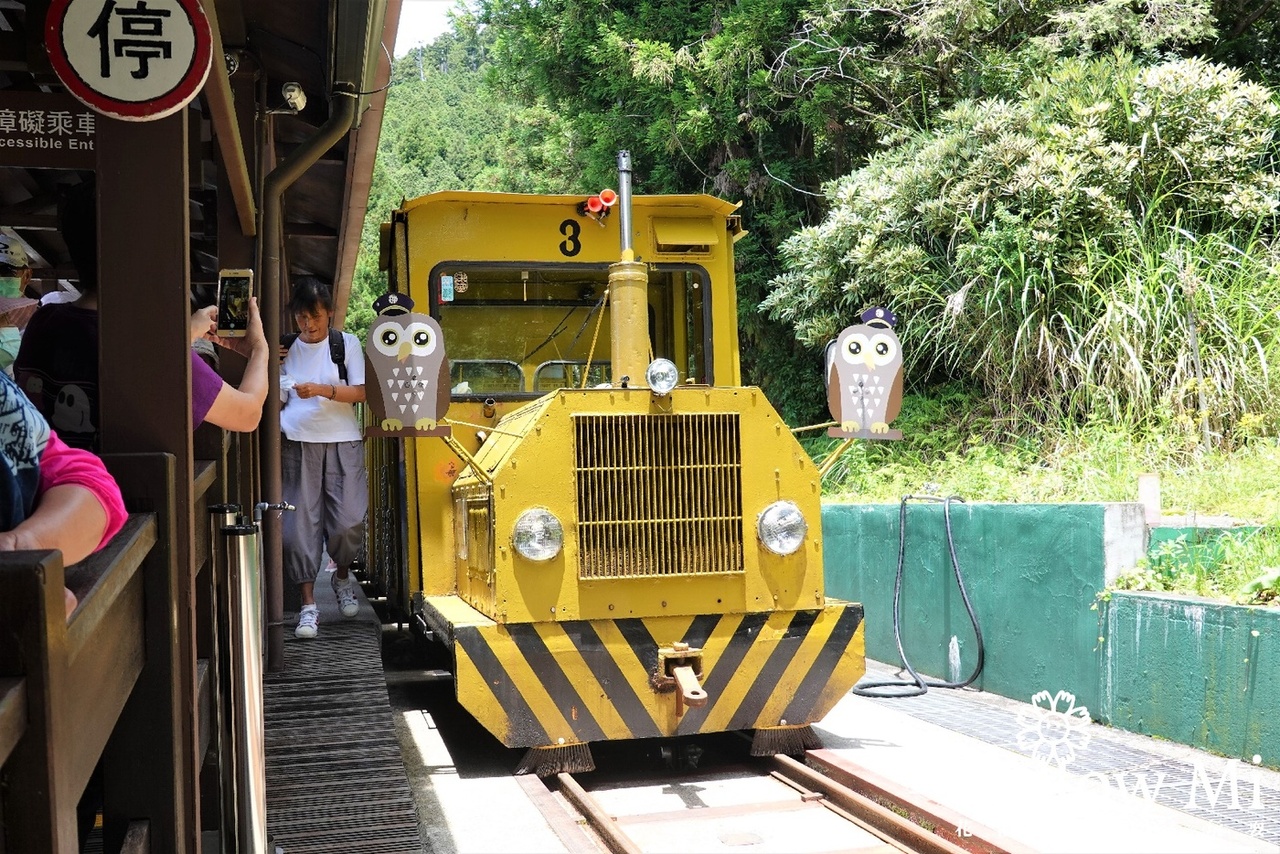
{"x": 234, "y": 289}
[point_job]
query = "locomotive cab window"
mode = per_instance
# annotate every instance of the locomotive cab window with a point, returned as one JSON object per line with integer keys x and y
{"x": 516, "y": 331}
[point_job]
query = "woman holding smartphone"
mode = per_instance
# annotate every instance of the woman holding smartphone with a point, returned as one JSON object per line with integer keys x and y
{"x": 322, "y": 453}
{"x": 237, "y": 408}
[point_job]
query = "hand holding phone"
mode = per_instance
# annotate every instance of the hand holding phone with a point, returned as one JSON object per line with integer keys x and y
{"x": 203, "y": 323}
{"x": 234, "y": 289}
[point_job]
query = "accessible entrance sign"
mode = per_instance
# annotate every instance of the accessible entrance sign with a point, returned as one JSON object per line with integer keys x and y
{"x": 130, "y": 59}
{"x": 40, "y": 130}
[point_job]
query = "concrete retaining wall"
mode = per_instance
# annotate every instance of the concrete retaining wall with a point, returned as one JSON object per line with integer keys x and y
{"x": 1195, "y": 672}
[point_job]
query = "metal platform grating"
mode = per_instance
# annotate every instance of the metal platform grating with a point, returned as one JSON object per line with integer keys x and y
{"x": 335, "y": 779}
{"x": 1109, "y": 752}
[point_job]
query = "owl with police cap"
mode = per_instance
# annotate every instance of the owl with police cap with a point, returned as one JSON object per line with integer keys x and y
{"x": 405, "y": 357}
{"x": 864, "y": 377}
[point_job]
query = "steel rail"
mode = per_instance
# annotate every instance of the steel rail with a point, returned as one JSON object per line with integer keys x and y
{"x": 813, "y": 786}
{"x": 879, "y": 820}
{"x": 600, "y": 821}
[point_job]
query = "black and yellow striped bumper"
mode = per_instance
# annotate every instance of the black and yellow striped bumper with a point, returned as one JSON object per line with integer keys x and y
{"x": 543, "y": 684}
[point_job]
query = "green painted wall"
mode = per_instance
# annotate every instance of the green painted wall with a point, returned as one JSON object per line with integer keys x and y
{"x": 1201, "y": 673}
{"x": 1033, "y": 572}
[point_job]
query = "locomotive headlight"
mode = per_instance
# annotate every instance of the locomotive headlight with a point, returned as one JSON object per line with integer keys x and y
{"x": 538, "y": 534}
{"x": 662, "y": 376}
{"x": 781, "y": 527}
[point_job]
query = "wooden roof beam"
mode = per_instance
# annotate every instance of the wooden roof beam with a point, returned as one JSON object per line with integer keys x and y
{"x": 226, "y": 128}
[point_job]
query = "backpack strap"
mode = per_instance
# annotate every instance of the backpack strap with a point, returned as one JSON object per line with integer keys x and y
{"x": 338, "y": 352}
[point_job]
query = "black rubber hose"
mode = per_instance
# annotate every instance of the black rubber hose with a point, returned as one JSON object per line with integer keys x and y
{"x": 918, "y": 684}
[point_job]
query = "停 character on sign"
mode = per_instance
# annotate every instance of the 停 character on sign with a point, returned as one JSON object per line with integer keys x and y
{"x": 147, "y": 27}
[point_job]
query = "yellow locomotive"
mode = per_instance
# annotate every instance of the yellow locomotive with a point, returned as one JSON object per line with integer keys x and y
{"x": 619, "y": 540}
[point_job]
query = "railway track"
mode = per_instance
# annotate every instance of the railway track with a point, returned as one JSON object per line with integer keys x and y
{"x": 775, "y": 804}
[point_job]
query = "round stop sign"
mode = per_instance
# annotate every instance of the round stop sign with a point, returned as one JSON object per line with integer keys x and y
{"x": 130, "y": 59}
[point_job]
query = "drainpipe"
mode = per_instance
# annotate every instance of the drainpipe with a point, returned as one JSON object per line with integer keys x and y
{"x": 342, "y": 114}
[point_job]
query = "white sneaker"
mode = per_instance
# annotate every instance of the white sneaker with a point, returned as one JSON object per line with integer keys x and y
{"x": 346, "y": 593}
{"x": 308, "y": 622}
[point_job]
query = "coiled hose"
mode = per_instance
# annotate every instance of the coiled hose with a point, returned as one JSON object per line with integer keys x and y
{"x": 918, "y": 684}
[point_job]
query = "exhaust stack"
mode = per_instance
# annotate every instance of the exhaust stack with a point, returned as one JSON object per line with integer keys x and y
{"x": 628, "y": 294}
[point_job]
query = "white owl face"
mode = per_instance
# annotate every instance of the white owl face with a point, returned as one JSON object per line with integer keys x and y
{"x": 398, "y": 341}
{"x": 874, "y": 350}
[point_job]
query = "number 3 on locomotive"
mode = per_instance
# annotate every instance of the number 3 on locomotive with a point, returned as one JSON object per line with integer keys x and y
{"x": 571, "y": 245}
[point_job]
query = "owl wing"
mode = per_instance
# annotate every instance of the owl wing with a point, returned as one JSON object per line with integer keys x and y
{"x": 442, "y": 389}
{"x": 893, "y": 405}
{"x": 375, "y": 401}
{"x": 835, "y": 394}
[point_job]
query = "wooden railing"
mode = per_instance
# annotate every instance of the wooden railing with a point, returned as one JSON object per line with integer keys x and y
{"x": 75, "y": 675}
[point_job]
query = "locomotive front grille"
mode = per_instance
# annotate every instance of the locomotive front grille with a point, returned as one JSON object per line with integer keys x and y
{"x": 658, "y": 495}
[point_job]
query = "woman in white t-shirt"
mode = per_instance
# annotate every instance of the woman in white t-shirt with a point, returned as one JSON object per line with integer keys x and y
{"x": 322, "y": 453}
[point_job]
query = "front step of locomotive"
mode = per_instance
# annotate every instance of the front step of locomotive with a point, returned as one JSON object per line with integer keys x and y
{"x": 554, "y": 687}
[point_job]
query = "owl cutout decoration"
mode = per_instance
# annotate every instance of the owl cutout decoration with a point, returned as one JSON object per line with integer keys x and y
{"x": 864, "y": 378}
{"x": 404, "y": 358}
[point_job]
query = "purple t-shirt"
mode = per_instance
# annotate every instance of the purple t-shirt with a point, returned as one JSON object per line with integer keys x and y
{"x": 205, "y": 385}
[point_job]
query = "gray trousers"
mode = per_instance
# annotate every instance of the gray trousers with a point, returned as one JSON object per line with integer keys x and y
{"x": 327, "y": 482}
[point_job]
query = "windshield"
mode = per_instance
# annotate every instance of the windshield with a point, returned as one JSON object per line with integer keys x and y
{"x": 522, "y": 331}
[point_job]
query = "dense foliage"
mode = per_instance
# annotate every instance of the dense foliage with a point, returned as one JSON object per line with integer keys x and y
{"x": 767, "y": 100}
{"x": 1057, "y": 196}
{"x": 1071, "y": 204}
{"x": 1101, "y": 245}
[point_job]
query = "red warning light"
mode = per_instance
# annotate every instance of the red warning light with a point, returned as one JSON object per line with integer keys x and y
{"x": 597, "y": 207}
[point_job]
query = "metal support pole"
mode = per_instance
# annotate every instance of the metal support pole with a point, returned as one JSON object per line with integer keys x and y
{"x": 224, "y": 642}
{"x": 628, "y": 294}
{"x": 241, "y": 543}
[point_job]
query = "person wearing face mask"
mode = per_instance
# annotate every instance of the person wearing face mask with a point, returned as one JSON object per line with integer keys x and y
{"x": 15, "y": 308}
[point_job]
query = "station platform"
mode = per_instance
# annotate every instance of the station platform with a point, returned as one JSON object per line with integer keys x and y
{"x": 983, "y": 757}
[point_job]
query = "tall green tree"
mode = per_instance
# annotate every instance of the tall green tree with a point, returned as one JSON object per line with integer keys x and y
{"x": 765, "y": 100}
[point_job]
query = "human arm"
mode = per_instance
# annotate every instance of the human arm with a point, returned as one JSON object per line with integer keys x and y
{"x": 331, "y": 391}
{"x": 240, "y": 408}
{"x": 350, "y": 392}
{"x": 67, "y": 518}
{"x": 78, "y": 508}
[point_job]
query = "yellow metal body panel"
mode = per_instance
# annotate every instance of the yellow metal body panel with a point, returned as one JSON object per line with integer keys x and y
{"x": 513, "y": 228}
{"x": 538, "y": 685}
{"x": 698, "y": 234}
{"x": 532, "y": 464}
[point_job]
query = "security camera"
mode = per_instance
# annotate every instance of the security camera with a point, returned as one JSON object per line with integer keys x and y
{"x": 294, "y": 97}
